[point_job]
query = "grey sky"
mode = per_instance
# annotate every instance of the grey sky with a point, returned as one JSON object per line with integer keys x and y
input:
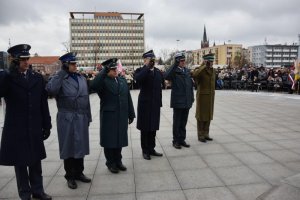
{"x": 44, "y": 24}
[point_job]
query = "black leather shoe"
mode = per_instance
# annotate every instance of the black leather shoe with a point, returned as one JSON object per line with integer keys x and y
{"x": 202, "y": 140}
{"x": 72, "y": 184}
{"x": 146, "y": 156}
{"x": 121, "y": 167}
{"x": 83, "y": 178}
{"x": 113, "y": 169}
{"x": 42, "y": 196}
{"x": 184, "y": 144}
{"x": 177, "y": 146}
{"x": 209, "y": 138}
{"x": 155, "y": 153}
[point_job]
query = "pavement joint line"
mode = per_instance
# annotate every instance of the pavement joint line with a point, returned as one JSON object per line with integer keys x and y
{"x": 91, "y": 184}
{"x": 164, "y": 152}
{"x": 134, "y": 176}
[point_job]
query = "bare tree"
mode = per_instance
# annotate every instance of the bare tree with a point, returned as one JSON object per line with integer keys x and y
{"x": 165, "y": 54}
{"x": 66, "y": 45}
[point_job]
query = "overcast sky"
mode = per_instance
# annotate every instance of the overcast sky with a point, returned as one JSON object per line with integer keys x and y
{"x": 44, "y": 24}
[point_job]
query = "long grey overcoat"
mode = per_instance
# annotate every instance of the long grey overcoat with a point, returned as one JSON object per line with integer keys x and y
{"x": 74, "y": 114}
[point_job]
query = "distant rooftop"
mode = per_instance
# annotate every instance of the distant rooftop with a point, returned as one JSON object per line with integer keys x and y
{"x": 43, "y": 60}
{"x": 91, "y": 15}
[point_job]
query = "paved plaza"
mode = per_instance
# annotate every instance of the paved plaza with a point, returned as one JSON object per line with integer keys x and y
{"x": 256, "y": 147}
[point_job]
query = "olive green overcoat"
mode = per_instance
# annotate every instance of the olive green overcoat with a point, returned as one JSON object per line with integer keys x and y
{"x": 205, "y": 81}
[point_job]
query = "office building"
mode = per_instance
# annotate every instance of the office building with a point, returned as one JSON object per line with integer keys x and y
{"x": 3, "y": 60}
{"x": 97, "y": 36}
{"x": 276, "y": 55}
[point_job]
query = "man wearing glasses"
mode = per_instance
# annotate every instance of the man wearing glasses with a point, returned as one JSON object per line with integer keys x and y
{"x": 182, "y": 98}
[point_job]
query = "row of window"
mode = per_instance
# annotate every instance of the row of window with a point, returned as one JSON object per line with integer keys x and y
{"x": 114, "y": 24}
{"x": 279, "y": 56}
{"x": 278, "y": 63}
{"x": 100, "y": 46}
{"x": 104, "y": 19}
{"x": 258, "y": 55}
{"x": 91, "y": 53}
{"x": 108, "y": 31}
{"x": 284, "y": 49}
{"x": 124, "y": 57}
{"x": 108, "y": 37}
{"x": 124, "y": 61}
{"x": 122, "y": 38}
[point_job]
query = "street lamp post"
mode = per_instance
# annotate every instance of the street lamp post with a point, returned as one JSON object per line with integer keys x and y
{"x": 177, "y": 43}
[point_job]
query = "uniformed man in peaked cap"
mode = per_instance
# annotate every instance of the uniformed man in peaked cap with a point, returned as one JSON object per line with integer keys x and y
{"x": 204, "y": 77}
{"x": 151, "y": 81}
{"x": 27, "y": 123}
{"x": 182, "y": 98}
{"x": 116, "y": 112}
{"x": 73, "y": 118}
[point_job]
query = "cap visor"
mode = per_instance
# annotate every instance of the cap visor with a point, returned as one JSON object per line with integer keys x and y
{"x": 27, "y": 56}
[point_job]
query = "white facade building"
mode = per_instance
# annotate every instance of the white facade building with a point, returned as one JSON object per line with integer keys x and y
{"x": 98, "y": 36}
{"x": 273, "y": 55}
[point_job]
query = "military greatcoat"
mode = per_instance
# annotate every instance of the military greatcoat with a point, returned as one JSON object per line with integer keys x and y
{"x": 205, "y": 80}
{"x": 27, "y": 114}
{"x": 116, "y": 108}
{"x": 74, "y": 114}
{"x": 149, "y": 102}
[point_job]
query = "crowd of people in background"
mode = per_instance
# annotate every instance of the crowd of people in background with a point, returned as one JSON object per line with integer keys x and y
{"x": 251, "y": 78}
{"x": 257, "y": 78}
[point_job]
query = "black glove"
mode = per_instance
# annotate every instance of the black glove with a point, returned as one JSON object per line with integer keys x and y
{"x": 106, "y": 69}
{"x": 151, "y": 63}
{"x": 130, "y": 120}
{"x": 46, "y": 133}
{"x": 65, "y": 66}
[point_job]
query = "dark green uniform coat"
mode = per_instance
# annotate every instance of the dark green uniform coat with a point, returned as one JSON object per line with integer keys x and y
{"x": 205, "y": 81}
{"x": 116, "y": 108}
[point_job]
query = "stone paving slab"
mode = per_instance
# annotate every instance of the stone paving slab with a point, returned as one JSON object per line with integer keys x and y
{"x": 255, "y": 147}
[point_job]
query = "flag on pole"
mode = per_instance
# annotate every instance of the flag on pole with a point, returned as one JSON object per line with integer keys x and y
{"x": 120, "y": 68}
{"x": 292, "y": 80}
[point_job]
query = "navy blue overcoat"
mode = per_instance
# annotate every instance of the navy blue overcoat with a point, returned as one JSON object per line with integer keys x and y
{"x": 26, "y": 114}
{"x": 150, "y": 98}
{"x": 182, "y": 94}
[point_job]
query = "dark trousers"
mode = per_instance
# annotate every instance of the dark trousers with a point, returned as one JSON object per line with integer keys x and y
{"x": 29, "y": 180}
{"x": 180, "y": 117}
{"x": 203, "y": 129}
{"x": 113, "y": 156}
{"x": 73, "y": 167}
{"x": 148, "y": 141}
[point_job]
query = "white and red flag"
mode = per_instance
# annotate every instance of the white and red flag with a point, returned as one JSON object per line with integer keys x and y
{"x": 120, "y": 68}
